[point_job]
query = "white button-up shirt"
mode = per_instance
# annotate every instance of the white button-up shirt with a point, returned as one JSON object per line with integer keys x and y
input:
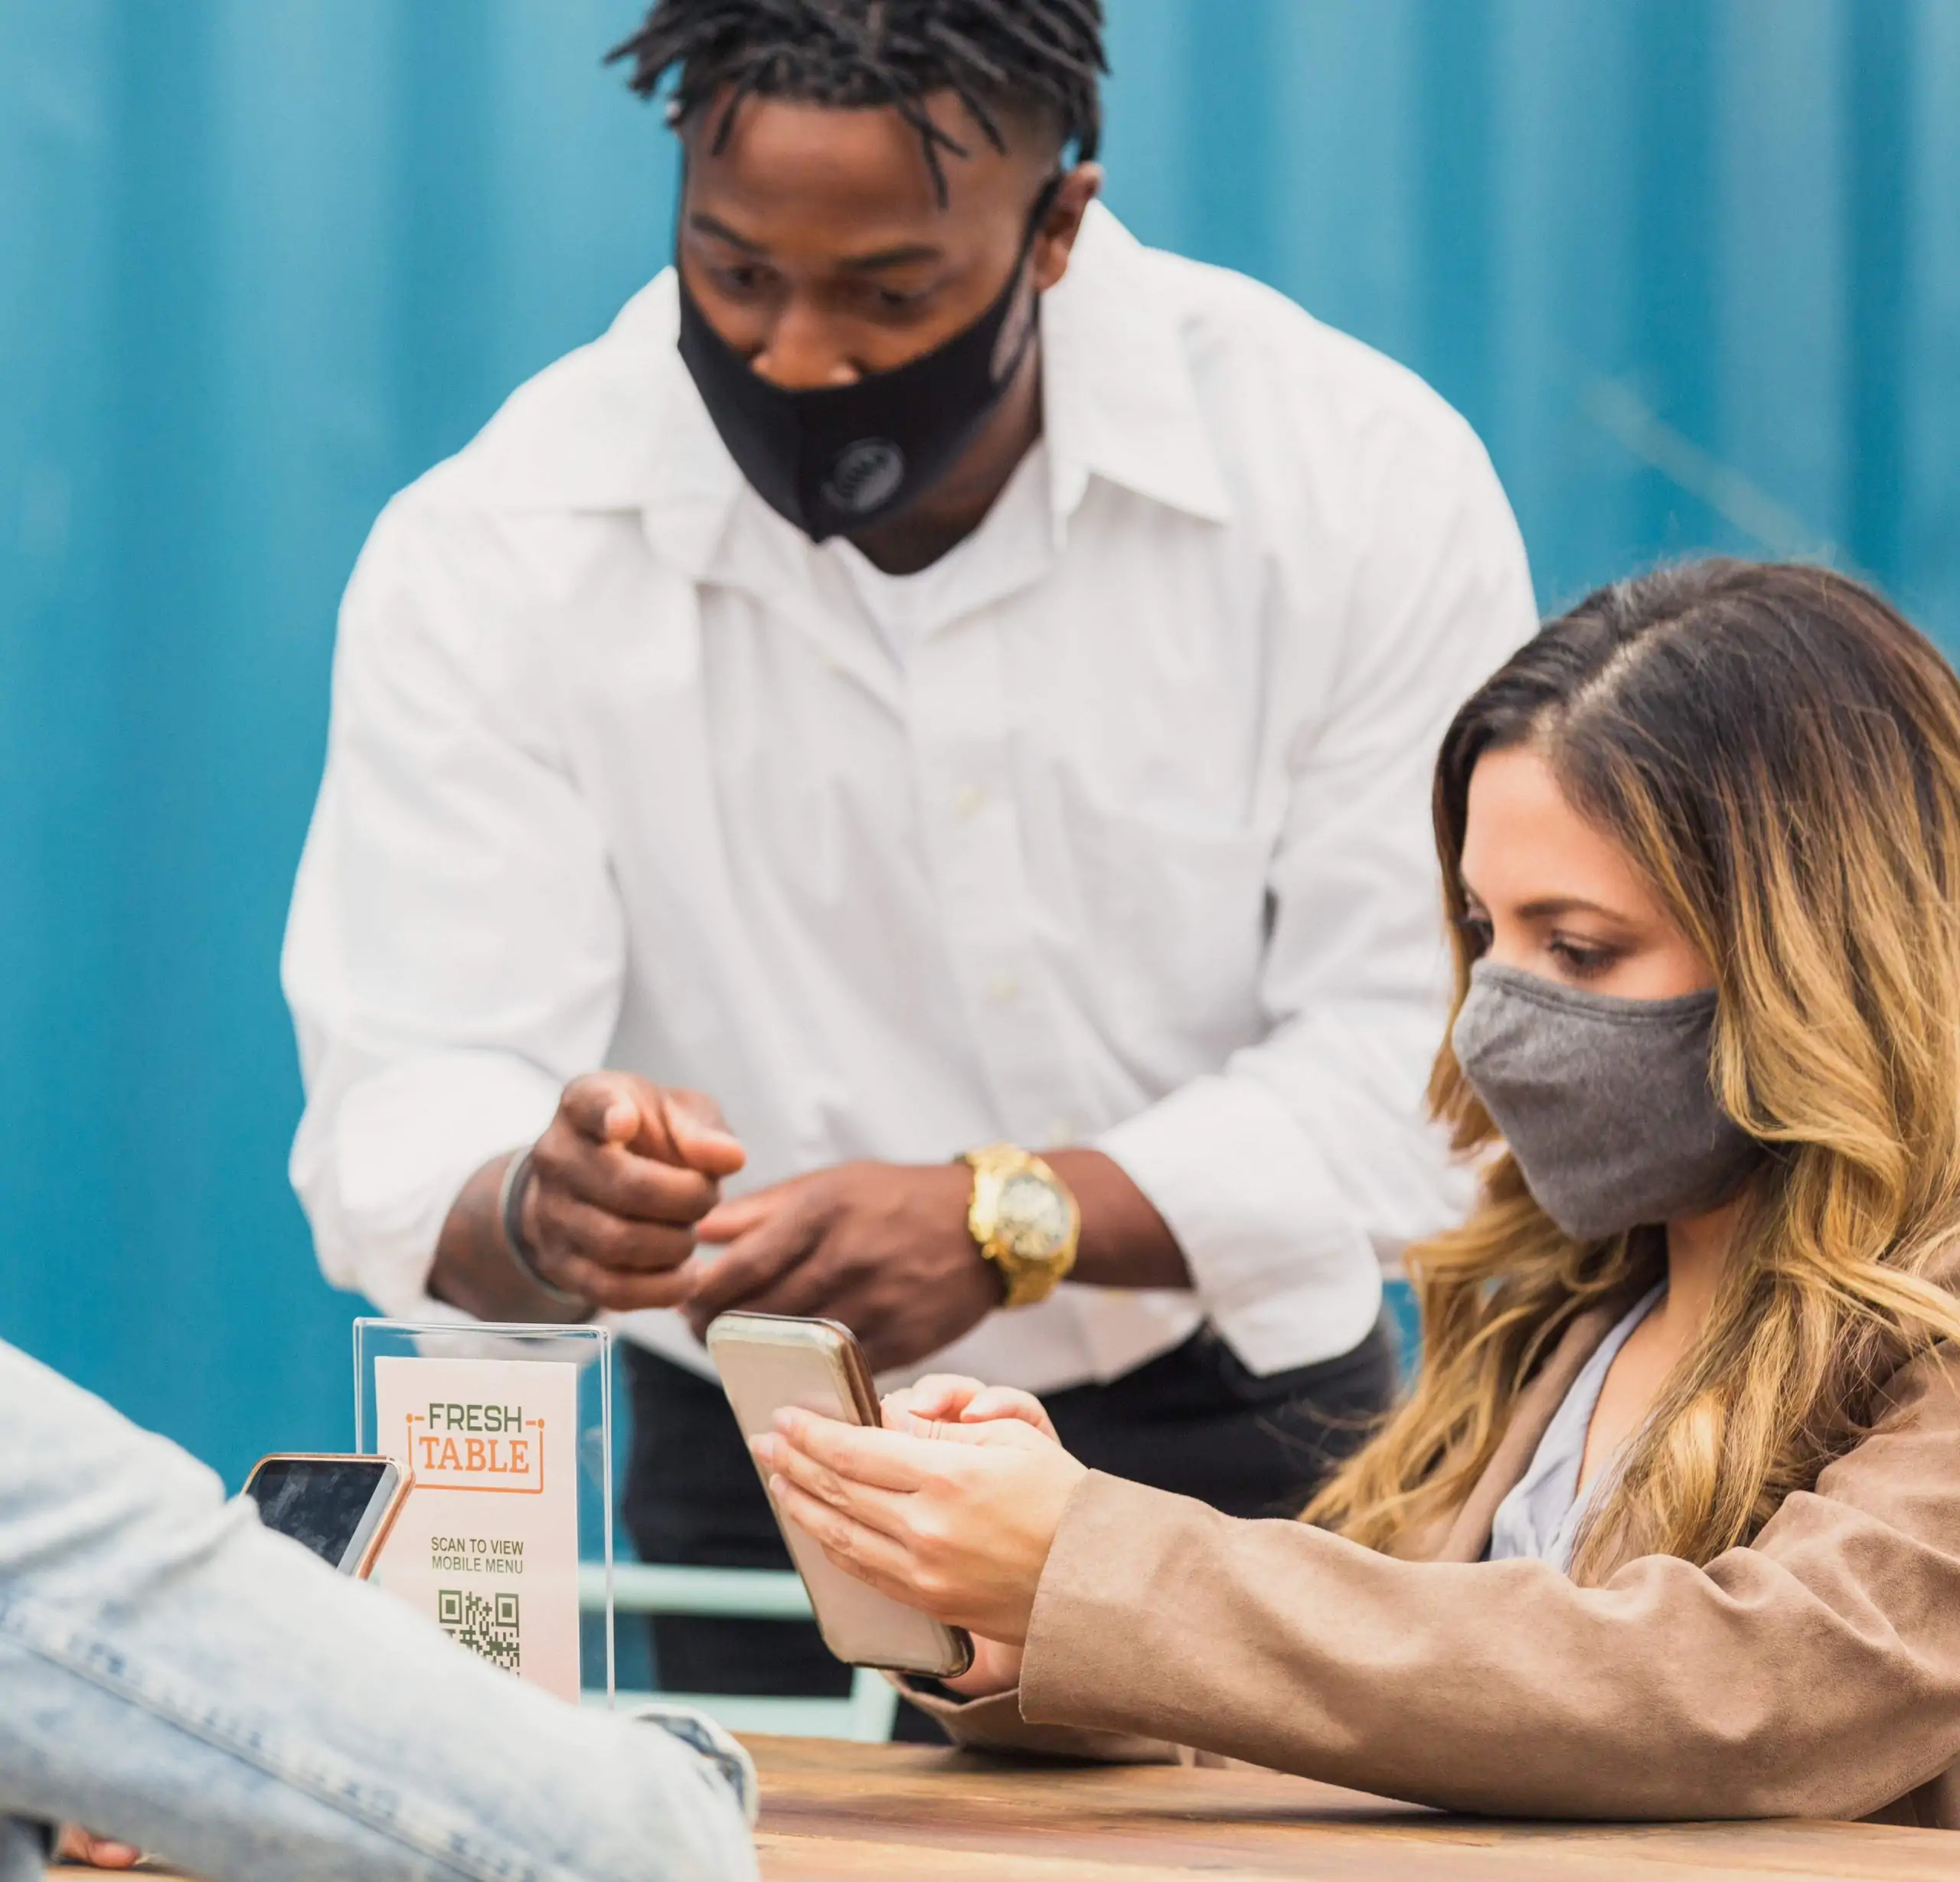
{"x": 1111, "y": 827}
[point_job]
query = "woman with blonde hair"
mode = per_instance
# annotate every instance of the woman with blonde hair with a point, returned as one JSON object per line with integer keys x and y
{"x": 1669, "y": 1524}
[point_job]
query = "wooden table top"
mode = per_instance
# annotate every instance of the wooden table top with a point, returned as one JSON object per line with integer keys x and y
{"x": 835, "y": 1812}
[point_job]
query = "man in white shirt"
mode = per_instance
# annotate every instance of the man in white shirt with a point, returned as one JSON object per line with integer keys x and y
{"x": 936, "y": 677}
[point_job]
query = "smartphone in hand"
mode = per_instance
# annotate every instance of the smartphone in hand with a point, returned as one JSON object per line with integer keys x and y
{"x": 767, "y": 1361}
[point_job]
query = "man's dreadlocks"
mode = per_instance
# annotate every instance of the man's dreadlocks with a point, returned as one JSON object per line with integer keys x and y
{"x": 1045, "y": 54}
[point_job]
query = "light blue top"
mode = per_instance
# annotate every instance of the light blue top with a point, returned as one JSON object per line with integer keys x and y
{"x": 1541, "y": 1515}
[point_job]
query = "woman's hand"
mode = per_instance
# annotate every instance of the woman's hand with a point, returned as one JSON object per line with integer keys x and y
{"x": 922, "y": 1408}
{"x": 958, "y": 1525}
{"x": 950, "y": 1398}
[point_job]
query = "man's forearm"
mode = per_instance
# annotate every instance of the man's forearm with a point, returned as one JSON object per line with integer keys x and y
{"x": 1125, "y": 1242}
{"x": 474, "y": 1267}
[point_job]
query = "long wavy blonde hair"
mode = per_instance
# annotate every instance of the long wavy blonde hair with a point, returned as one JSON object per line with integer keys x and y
{"x": 1779, "y": 752}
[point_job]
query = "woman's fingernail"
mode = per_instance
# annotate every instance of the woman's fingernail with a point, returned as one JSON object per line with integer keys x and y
{"x": 766, "y": 1447}
{"x": 789, "y": 1420}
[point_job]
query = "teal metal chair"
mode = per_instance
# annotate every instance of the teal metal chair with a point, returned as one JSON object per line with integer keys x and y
{"x": 742, "y": 1594}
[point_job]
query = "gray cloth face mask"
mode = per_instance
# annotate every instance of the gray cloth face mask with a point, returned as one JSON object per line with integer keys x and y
{"x": 1605, "y": 1102}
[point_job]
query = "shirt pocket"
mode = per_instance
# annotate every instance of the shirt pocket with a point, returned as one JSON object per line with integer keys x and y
{"x": 1176, "y": 910}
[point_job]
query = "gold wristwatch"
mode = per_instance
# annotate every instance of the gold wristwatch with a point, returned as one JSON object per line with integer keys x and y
{"x": 1024, "y": 1218}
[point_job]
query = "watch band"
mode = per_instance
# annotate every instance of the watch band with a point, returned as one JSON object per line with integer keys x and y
{"x": 510, "y": 1214}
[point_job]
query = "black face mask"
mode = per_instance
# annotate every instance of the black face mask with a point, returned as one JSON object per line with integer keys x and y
{"x": 836, "y": 459}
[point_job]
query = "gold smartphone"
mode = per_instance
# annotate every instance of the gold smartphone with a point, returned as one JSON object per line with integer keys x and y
{"x": 767, "y": 1361}
{"x": 340, "y": 1508}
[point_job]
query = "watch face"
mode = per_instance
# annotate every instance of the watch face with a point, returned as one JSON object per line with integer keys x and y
{"x": 1033, "y": 1220}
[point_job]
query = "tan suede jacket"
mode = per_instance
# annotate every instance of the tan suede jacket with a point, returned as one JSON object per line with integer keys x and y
{"x": 1815, "y": 1673}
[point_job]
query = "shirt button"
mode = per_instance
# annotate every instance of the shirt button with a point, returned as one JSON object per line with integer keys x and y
{"x": 1003, "y": 989}
{"x": 968, "y": 799}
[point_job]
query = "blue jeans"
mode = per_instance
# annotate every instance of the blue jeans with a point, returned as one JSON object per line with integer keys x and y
{"x": 174, "y": 1675}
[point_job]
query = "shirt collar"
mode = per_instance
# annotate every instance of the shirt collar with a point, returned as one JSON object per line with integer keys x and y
{"x": 631, "y": 431}
{"x": 1120, "y": 402}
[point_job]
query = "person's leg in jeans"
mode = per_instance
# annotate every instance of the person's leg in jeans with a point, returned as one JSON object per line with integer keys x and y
{"x": 179, "y": 1677}
{"x": 23, "y": 1851}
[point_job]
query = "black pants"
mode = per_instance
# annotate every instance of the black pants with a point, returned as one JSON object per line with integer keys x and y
{"x": 1193, "y": 1420}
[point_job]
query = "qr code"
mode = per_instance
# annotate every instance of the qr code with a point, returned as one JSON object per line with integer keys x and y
{"x": 486, "y": 1625}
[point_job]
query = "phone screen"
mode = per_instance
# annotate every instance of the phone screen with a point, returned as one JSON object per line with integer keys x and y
{"x": 329, "y": 1503}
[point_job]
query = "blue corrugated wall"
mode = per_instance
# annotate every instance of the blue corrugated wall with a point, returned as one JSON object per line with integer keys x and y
{"x": 1693, "y": 267}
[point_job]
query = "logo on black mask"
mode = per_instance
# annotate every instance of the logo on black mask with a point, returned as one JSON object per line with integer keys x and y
{"x": 866, "y": 476}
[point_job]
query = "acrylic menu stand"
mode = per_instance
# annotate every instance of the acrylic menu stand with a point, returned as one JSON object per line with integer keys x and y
{"x": 507, "y": 1431}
